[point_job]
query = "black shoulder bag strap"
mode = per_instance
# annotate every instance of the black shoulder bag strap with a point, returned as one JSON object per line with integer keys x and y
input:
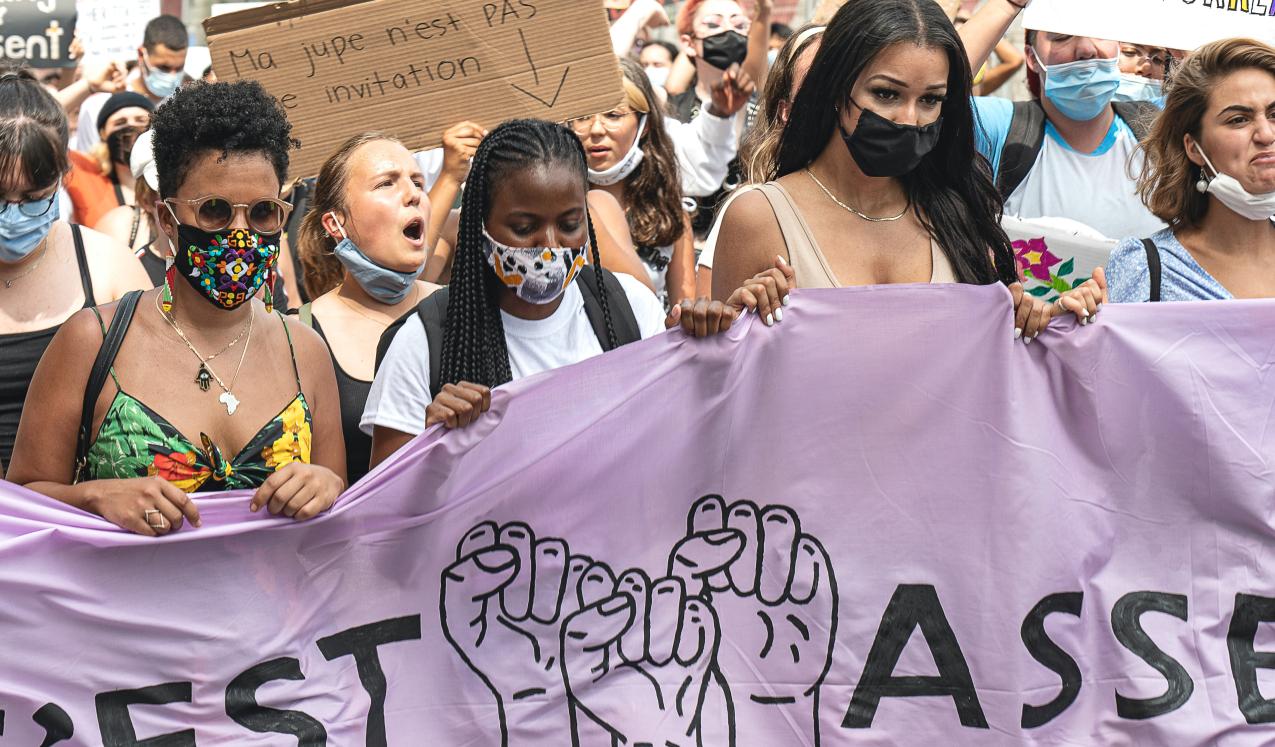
{"x": 111, "y": 342}
{"x": 1022, "y": 146}
{"x": 622, "y": 318}
{"x": 1153, "y": 264}
{"x": 432, "y": 311}
{"x": 1139, "y": 115}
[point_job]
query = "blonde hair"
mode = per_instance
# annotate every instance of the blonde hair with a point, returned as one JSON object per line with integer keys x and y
{"x": 321, "y": 270}
{"x": 1167, "y": 183}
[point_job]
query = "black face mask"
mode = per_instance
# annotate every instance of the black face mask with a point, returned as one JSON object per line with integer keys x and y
{"x": 120, "y": 144}
{"x": 725, "y": 49}
{"x": 884, "y": 148}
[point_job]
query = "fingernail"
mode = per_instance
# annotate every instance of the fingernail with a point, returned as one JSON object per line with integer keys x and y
{"x": 1084, "y": 312}
{"x": 720, "y": 537}
{"x": 253, "y": 507}
{"x": 494, "y": 559}
{"x": 779, "y": 315}
{"x": 1097, "y": 306}
{"x": 614, "y": 605}
{"x": 770, "y": 320}
{"x": 1028, "y": 340}
{"x": 1018, "y": 332}
{"x": 787, "y": 299}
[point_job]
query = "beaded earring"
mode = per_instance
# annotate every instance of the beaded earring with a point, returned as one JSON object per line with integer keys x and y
{"x": 269, "y": 295}
{"x": 166, "y": 295}
{"x": 1202, "y": 186}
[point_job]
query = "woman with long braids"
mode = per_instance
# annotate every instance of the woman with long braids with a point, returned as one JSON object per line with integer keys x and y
{"x": 522, "y": 298}
{"x": 631, "y": 157}
{"x": 878, "y": 180}
{"x": 197, "y": 385}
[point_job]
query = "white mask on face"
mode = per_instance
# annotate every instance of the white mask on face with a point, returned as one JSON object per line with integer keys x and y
{"x": 1228, "y": 191}
{"x": 657, "y": 75}
{"x": 625, "y": 166}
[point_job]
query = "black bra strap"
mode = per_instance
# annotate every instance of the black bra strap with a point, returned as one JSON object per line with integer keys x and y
{"x": 291, "y": 350}
{"x": 97, "y": 377}
{"x": 82, "y": 260}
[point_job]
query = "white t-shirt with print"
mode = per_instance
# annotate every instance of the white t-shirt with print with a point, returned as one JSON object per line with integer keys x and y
{"x": 400, "y": 392}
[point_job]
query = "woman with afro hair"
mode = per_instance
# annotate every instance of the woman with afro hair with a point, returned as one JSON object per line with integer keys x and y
{"x": 199, "y": 384}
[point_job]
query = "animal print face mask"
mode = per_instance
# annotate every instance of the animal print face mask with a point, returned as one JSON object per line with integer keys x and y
{"x": 537, "y": 275}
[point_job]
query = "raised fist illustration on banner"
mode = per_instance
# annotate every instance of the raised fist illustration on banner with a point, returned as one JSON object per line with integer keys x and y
{"x": 776, "y": 600}
{"x": 503, "y": 604}
{"x": 638, "y": 663}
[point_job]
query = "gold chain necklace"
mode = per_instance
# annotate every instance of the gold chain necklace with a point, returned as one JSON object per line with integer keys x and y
{"x": 202, "y": 377}
{"x": 227, "y": 397}
{"x": 868, "y": 218}
{"x": 8, "y": 282}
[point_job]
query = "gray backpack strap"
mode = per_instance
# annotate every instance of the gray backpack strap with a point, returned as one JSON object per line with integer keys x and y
{"x": 1022, "y": 146}
{"x": 1139, "y": 115}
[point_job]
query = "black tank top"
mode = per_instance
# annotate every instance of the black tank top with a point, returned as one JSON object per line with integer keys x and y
{"x": 353, "y": 393}
{"x": 20, "y": 354}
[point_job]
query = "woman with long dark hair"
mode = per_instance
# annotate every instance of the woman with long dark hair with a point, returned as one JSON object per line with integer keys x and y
{"x": 878, "y": 178}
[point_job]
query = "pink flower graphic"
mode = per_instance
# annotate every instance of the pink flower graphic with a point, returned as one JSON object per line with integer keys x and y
{"x": 1034, "y": 257}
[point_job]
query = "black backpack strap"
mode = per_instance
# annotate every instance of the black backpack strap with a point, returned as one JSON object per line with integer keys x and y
{"x": 622, "y": 318}
{"x": 1153, "y": 264}
{"x": 1139, "y": 115}
{"x": 114, "y": 337}
{"x": 432, "y": 311}
{"x": 1022, "y": 146}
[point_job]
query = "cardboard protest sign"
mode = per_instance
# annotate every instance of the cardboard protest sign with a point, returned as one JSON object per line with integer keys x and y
{"x": 37, "y": 32}
{"x": 416, "y": 68}
{"x": 1176, "y": 24}
{"x": 111, "y": 29}
{"x": 1054, "y": 257}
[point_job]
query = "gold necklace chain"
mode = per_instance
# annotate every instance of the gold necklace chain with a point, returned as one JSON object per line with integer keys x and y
{"x": 229, "y": 345}
{"x": 868, "y": 218}
{"x": 8, "y": 282}
{"x": 227, "y": 398}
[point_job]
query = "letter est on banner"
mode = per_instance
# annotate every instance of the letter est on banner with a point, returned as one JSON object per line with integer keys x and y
{"x": 414, "y": 68}
{"x": 888, "y": 524}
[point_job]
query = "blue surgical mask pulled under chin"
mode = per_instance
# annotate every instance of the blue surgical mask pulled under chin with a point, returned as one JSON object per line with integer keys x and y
{"x": 20, "y": 234}
{"x": 1082, "y": 89}
{"x": 382, "y": 283}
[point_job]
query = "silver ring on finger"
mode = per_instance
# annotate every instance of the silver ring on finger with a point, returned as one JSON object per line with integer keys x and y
{"x": 151, "y": 514}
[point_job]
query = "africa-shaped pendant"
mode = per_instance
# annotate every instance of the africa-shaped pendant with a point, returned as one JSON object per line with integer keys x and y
{"x": 230, "y": 401}
{"x": 203, "y": 378}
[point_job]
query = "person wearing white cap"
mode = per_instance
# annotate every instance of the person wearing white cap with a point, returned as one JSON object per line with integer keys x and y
{"x": 134, "y": 225}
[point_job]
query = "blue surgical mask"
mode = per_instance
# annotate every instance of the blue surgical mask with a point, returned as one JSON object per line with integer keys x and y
{"x": 1138, "y": 88}
{"x": 1082, "y": 89}
{"x": 161, "y": 83}
{"x": 20, "y": 234}
{"x": 382, "y": 283}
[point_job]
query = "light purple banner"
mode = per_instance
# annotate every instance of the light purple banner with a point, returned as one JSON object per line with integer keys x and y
{"x": 927, "y": 534}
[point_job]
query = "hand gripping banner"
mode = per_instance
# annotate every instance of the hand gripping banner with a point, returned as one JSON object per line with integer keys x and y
{"x": 881, "y": 522}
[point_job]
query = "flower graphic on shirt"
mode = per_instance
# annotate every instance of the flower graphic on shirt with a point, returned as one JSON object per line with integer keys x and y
{"x": 1035, "y": 259}
{"x": 180, "y": 469}
{"x": 293, "y": 444}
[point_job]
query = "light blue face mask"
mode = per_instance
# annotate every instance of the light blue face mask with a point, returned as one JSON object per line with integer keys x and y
{"x": 161, "y": 83}
{"x": 385, "y": 285}
{"x": 1138, "y": 88}
{"x": 1081, "y": 89}
{"x": 20, "y": 234}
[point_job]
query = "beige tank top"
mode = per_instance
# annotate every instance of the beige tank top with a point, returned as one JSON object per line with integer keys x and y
{"x": 809, "y": 264}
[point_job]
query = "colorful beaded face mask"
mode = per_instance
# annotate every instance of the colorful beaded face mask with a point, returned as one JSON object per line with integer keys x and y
{"x": 538, "y": 274}
{"x": 226, "y": 267}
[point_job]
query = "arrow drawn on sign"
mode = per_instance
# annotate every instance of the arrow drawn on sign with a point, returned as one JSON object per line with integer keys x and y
{"x": 535, "y": 74}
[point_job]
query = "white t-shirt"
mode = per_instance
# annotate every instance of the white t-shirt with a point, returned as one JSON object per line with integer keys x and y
{"x": 1098, "y": 189}
{"x": 400, "y": 392}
